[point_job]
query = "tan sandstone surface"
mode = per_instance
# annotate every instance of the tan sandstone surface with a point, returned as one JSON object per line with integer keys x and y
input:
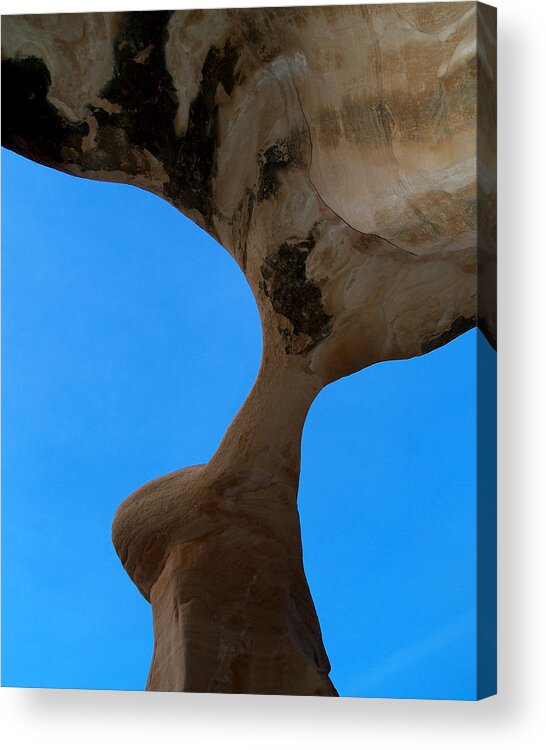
{"x": 336, "y": 153}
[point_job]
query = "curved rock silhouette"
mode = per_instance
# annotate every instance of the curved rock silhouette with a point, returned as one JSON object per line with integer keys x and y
{"x": 333, "y": 152}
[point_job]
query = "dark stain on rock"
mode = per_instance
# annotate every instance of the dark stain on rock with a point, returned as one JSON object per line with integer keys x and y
{"x": 31, "y": 125}
{"x": 143, "y": 89}
{"x": 270, "y": 161}
{"x": 459, "y": 326}
{"x": 195, "y": 162}
{"x": 142, "y": 118}
{"x": 295, "y": 296}
{"x": 141, "y": 85}
{"x": 249, "y": 209}
{"x": 249, "y": 213}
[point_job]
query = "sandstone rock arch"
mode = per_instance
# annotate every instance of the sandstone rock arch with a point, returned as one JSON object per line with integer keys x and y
{"x": 335, "y": 153}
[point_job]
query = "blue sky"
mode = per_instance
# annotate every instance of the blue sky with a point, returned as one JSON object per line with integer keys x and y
{"x": 130, "y": 339}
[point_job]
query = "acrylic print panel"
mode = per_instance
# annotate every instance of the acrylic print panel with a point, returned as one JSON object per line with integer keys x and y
{"x": 282, "y": 298}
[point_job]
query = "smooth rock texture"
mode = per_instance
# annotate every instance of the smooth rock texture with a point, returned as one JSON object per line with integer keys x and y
{"x": 335, "y": 152}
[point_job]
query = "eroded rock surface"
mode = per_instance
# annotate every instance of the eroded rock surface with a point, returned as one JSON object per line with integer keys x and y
{"x": 333, "y": 152}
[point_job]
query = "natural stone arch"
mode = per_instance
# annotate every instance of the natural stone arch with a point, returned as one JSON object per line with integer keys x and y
{"x": 350, "y": 200}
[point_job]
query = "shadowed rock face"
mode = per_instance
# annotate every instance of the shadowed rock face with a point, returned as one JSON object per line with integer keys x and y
{"x": 333, "y": 153}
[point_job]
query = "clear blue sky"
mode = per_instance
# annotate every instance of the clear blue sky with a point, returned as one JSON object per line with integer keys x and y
{"x": 130, "y": 339}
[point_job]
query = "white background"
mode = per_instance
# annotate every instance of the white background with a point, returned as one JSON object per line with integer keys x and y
{"x": 517, "y": 716}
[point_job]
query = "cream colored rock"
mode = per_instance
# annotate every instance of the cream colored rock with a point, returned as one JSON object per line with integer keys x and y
{"x": 333, "y": 152}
